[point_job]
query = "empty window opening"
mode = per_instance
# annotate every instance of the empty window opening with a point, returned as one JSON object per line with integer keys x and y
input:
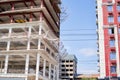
{"x": 48, "y": 50}
{"x": 111, "y": 30}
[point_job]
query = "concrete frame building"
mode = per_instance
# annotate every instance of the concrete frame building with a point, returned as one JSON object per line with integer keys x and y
{"x": 29, "y": 30}
{"x": 68, "y": 67}
{"x": 108, "y": 14}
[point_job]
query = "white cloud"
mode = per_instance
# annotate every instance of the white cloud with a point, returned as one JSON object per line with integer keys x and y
{"x": 88, "y": 52}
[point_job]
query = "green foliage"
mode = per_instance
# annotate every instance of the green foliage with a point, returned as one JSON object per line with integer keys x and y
{"x": 88, "y": 79}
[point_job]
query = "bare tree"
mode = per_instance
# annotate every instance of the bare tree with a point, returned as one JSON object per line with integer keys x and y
{"x": 64, "y": 14}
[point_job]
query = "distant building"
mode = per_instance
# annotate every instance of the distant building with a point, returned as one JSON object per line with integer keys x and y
{"x": 68, "y": 67}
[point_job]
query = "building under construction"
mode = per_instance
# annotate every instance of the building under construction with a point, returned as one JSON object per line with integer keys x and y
{"x": 29, "y": 35}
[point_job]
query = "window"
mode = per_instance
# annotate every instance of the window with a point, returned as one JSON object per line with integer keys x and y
{"x": 118, "y": 18}
{"x": 63, "y": 69}
{"x": 112, "y": 55}
{"x": 71, "y": 74}
{"x": 67, "y": 65}
{"x": 71, "y": 60}
{"x": 119, "y": 30}
{"x": 67, "y": 60}
{"x": 113, "y": 69}
{"x": 112, "y": 43}
{"x": 63, "y": 74}
{"x": 110, "y": 19}
{"x": 67, "y": 69}
{"x": 71, "y": 69}
{"x": 63, "y": 65}
{"x": 71, "y": 65}
{"x": 63, "y": 60}
{"x": 109, "y": 7}
{"x": 118, "y": 6}
{"x": 111, "y": 30}
{"x": 67, "y": 74}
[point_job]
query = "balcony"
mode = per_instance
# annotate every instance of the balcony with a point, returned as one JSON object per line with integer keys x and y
{"x": 16, "y": 71}
{"x": 48, "y": 4}
{"x": 22, "y": 10}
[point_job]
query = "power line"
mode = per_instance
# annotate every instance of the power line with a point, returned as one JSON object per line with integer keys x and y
{"x": 80, "y": 40}
{"x": 75, "y": 29}
{"x": 88, "y": 39}
{"x": 76, "y": 34}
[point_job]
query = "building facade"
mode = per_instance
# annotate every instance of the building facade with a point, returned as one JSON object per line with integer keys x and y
{"x": 108, "y": 14}
{"x": 29, "y": 34}
{"x": 68, "y": 67}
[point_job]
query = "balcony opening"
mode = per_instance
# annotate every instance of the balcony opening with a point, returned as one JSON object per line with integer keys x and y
{"x": 111, "y": 30}
{"x": 2, "y": 62}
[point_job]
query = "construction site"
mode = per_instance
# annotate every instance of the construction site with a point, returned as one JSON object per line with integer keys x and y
{"x": 29, "y": 39}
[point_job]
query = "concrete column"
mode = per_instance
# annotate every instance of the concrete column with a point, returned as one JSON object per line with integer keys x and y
{"x": 42, "y": 3}
{"x": 31, "y": 5}
{"x": 6, "y": 64}
{"x": 49, "y": 70}
{"x": 1, "y": 66}
{"x": 54, "y": 74}
{"x": 44, "y": 67}
{"x": 8, "y": 43}
{"x": 30, "y": 19}
{"x": 29, "y": 34}
{"x": 27, "y": 64}
{"x": 41, "y": 17}
{"x": 57, "y": 71}
{"x": 37, "y": 66}
{"x": 39, "y": 40}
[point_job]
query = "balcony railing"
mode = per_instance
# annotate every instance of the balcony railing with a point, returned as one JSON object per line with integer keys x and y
{"x": 16, "y": 71}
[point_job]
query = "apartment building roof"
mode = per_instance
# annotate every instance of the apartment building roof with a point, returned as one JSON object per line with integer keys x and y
{"x": 70, "y": 57}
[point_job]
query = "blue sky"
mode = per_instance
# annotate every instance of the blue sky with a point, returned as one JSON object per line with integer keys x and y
{"x": 81, "y": 20}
